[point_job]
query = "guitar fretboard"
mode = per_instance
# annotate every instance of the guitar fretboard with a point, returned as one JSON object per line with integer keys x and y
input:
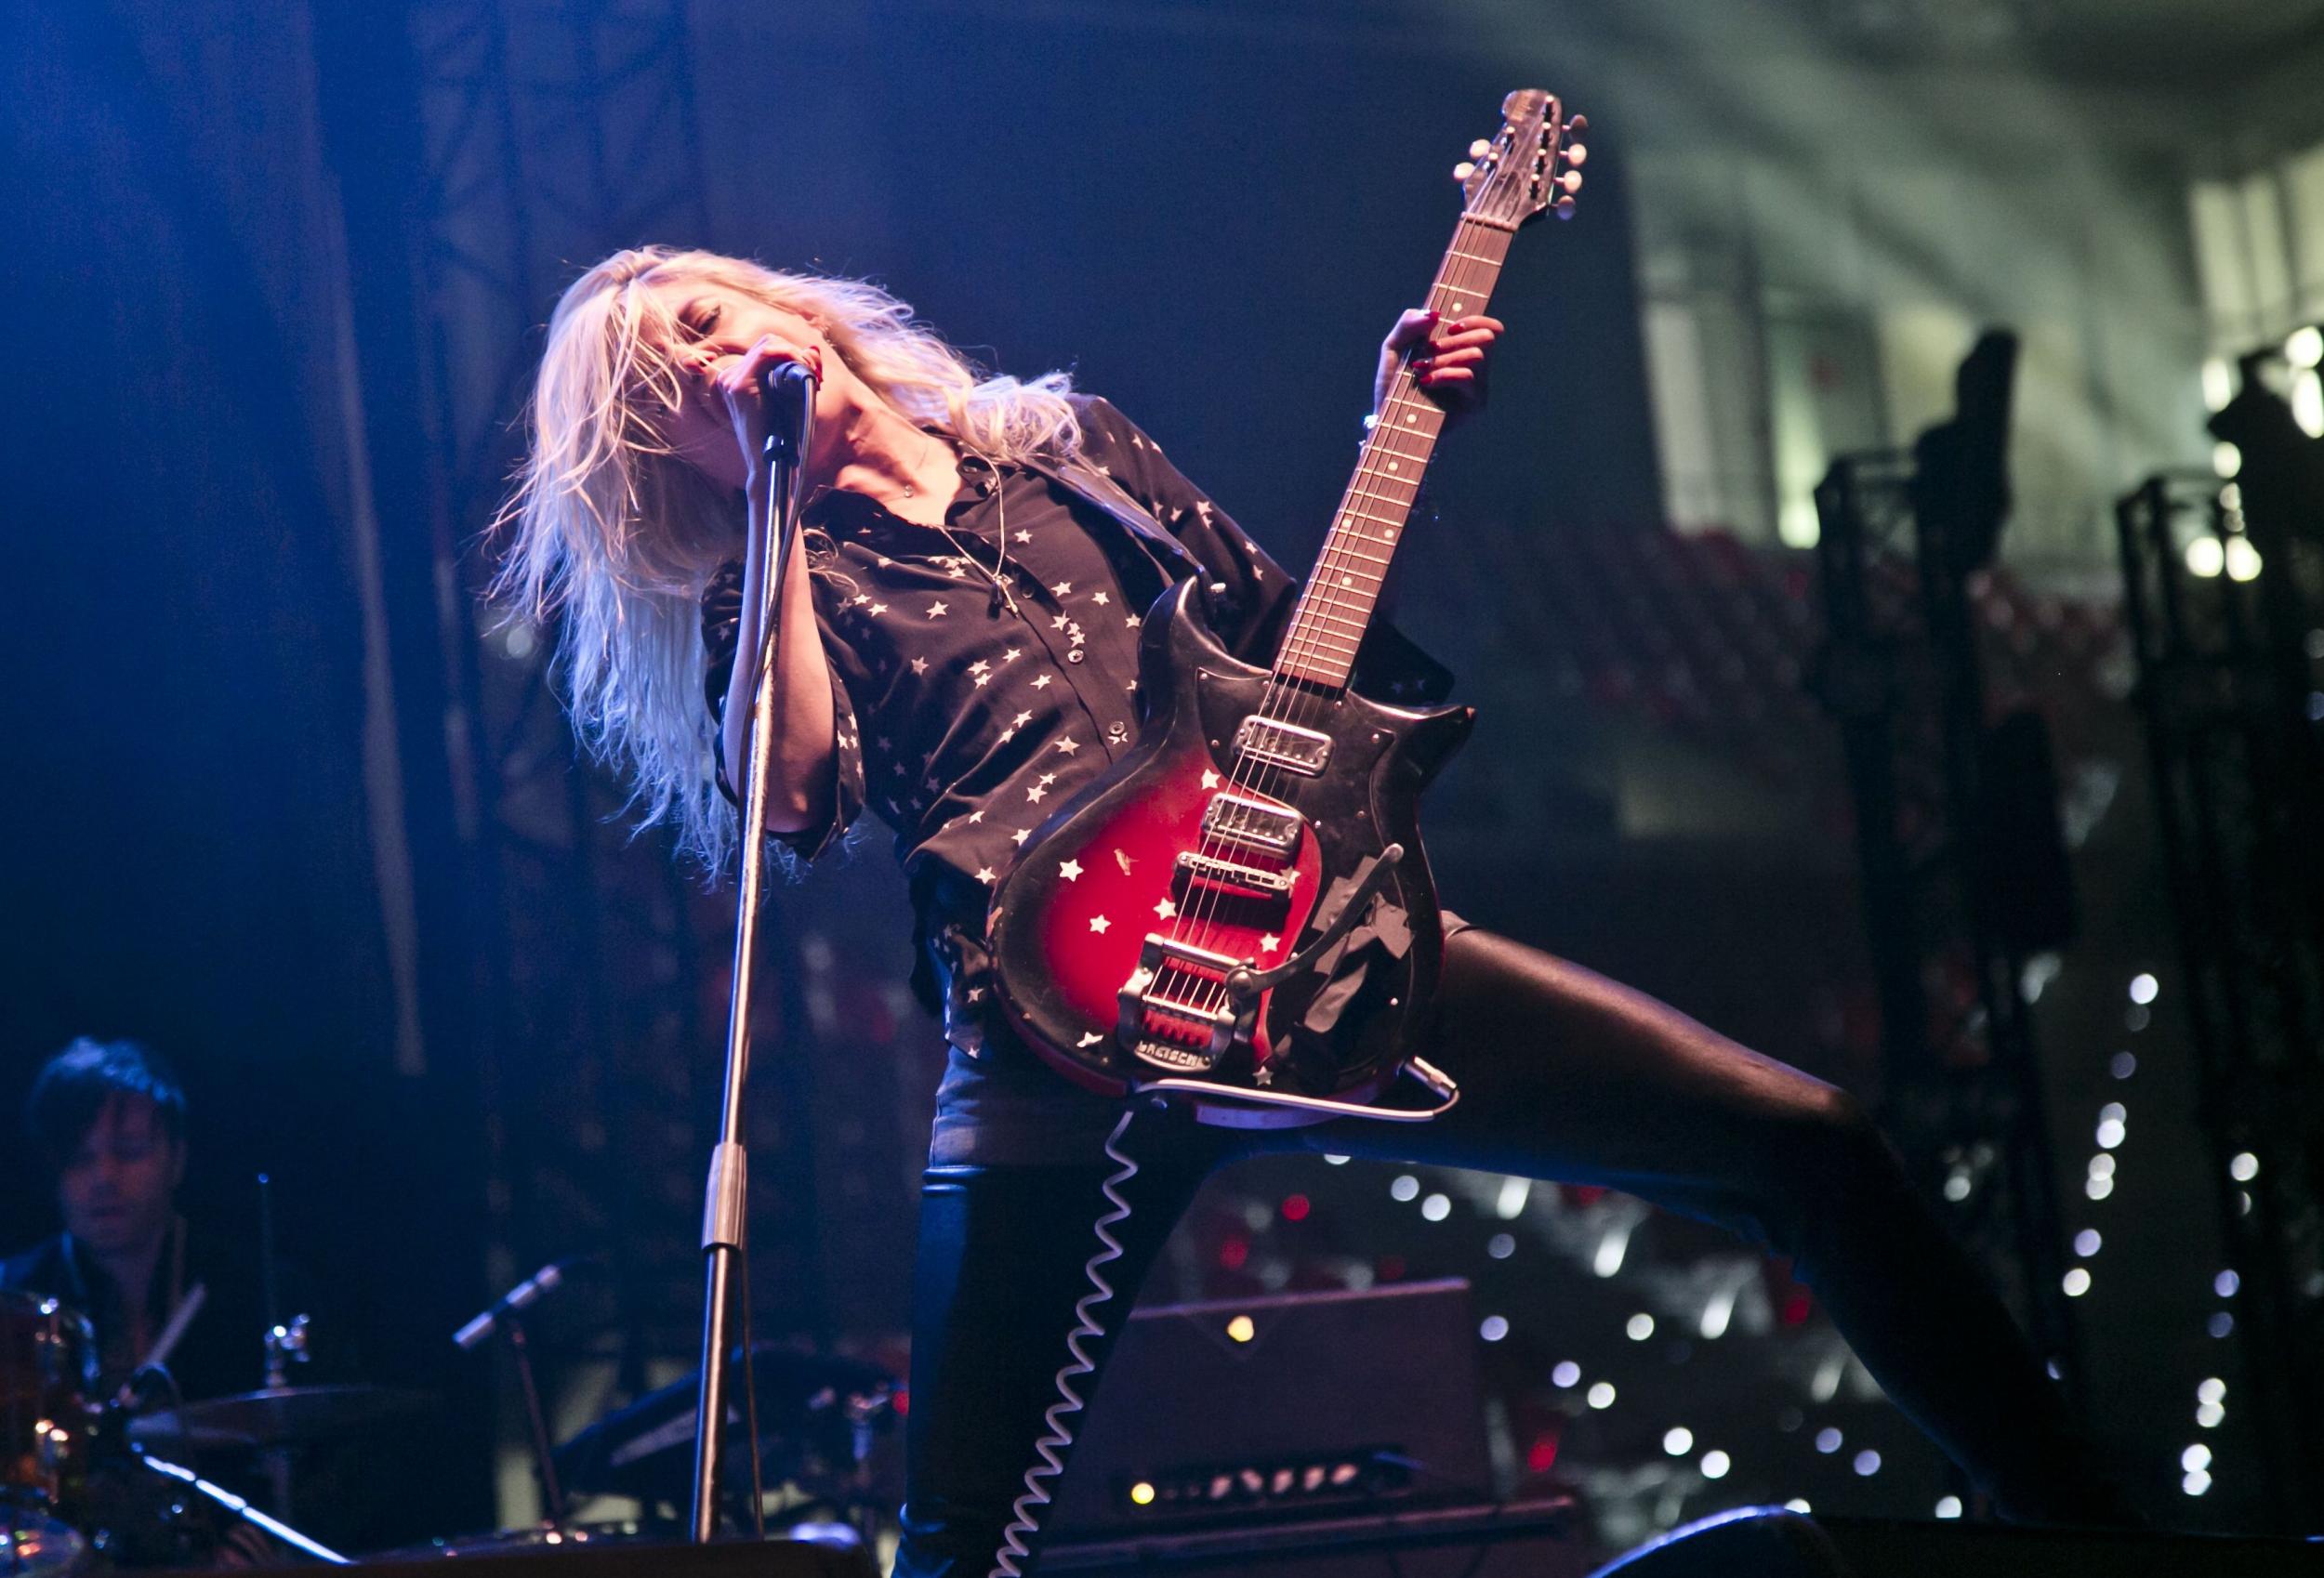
{"x": 1335, "y": 608}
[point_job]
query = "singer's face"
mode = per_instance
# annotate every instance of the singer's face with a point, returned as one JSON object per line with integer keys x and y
{"x": 720, "y": 331}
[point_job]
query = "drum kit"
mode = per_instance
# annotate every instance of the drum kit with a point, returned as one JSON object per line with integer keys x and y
{"x": 90, "y": 1482}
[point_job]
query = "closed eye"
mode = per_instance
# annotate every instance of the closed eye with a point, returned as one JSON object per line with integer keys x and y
{"x": 699, "y": 318}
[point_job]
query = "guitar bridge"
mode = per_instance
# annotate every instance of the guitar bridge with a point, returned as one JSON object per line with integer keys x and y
{"x": 1177, "y": 1012}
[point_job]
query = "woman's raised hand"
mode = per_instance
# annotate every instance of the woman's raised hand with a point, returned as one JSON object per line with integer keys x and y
{"x": 745, "y": 407}
{"x": 1448, "y": 357}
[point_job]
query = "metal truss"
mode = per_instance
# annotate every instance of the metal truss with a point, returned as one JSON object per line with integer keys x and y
{"x": 1964, "y": 1099}
{"x": 2230, "y": 666}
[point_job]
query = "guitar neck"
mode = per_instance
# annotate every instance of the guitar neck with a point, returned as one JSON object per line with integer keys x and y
{"x": 1335, "y": 608}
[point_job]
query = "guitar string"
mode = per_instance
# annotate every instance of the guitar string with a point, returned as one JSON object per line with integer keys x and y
{"x": 1456, "y": 291}
{"x": 1254, "y": 775}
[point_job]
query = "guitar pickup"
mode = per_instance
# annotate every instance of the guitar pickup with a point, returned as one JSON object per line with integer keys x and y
{"x": 1233, "y": 873}
{"x": 1302, "y": 751}
{"x": 1253, "y": 825}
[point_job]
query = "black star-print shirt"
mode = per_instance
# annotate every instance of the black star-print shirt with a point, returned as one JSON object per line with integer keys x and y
{"x": 964, "y": 717}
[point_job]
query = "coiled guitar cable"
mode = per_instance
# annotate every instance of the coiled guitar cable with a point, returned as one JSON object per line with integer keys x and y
{"x": 1050, "y": 1448}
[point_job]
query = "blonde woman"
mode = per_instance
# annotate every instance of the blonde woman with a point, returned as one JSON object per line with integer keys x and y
{"x": 956, "y": 654}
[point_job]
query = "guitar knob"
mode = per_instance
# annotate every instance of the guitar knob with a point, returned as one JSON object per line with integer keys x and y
{"x": 1577, "y": 154}
{"x": 1479, "y": 147}
{"x": 1570, "y": 180}
{"x": 1464, "y": 170}
{"x": 1564, "y": 208}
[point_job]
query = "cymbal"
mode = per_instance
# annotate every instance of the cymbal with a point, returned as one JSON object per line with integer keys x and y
{"x": 278, "y": 1416}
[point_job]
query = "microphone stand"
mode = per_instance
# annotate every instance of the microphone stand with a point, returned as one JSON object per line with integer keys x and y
{"x": 790, "y": 410}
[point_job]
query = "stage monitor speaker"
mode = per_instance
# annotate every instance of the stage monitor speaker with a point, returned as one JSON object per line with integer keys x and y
{"x": 1770, "y": 1543}
{"x": 1290, "y": 1406}
{"x": 643, "y": 1559}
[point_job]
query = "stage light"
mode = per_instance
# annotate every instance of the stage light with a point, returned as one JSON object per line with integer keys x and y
{"x": 2077, "y": 1283}
{"x": 2218, "y": 384}
{"x": 1567, "y": 1374}
{"x": 1678, "y": 1441}
{"x": 1407, "y": 1186}
{"x": 2243, "y": 1167}
{"x": 2110, "y": 1133}
{"x": 2225, "y": 1283}
{"x": 1242, "y": 1328}
{"x": 2206, "y": 558}
{"x": 1798, "y": 1505}
{"x": 2086, "y": 1242}
{"x": 1436, "y": 1207}
{"x": 1511, "y": 1202}
{"x": 1607, "y": 1261}
{"x": 1296, "y": 1207}
{"x": 1828, "y": 1441}
{"x": 2196, "y": 1483}
{"x": 1601, "y": 1395}
{"x": 2194, "y": 1457}
{"x": 1716, "y": 1463}
{"x": 1956, "y": 1185}
{"x": 2226, "y": 459}
{"x": 2242, "y": 560}
{"x": 2102, "y": 1166}
{"x": 1716, "y": 1314}
{"x": 1331, "y": 1161}
{"x": 1500, "y": 1246}
{"x": 2304, "y": 347}
{"x": 1639, "y": 1327}
{"x": 2308, "y": 403}
{"x": 2210, "y": 1390}
{"x": 2209, "y": 1414}
{"x": 2221, "y": 1325}
{"x": 1142, "y": 1493}
{"x": 1948, "y": 1506}
{"x": 2123, "y": 1065}
{"x": 2114, "y": 1111}
{"x": 1493, "y": 1329}
{"x": 2097, "y": 1189}
{"x": 2143, "y": 987}
{"x": 1867, "y": 1463}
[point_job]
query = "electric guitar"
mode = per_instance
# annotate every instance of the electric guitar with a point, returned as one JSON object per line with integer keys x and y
{"x": 1240, "y": 911}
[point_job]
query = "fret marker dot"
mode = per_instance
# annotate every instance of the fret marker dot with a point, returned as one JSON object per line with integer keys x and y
{"x": 1391, "y": 465}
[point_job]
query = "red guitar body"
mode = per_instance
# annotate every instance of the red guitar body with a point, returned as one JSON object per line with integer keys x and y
{"x": 1117, "y": 877}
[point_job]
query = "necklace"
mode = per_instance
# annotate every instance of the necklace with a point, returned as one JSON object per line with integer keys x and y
{"x": 997, "y": 571}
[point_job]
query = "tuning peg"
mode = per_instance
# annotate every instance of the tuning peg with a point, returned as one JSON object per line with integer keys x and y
{"x": 1464, "y": 170}
{"x": 1570, "y": 180}
{"x": 1479, "y": 147}
{"x": 1578, "y": 126}
{"x": 1576, "y": 155}
{"x": 1564, "y": 207}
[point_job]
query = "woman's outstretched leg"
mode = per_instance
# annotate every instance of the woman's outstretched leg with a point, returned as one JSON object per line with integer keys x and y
{"x": 1571, "y": 1077}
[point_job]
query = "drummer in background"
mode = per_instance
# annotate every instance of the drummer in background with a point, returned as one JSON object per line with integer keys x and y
{"x": 109, "y": 1119}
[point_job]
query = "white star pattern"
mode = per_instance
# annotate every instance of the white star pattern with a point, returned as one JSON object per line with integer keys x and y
{"x": 1021, "y": 835}
{"x": 1024, "y": 536}
{"x": 878, "y": 609}
{"x": 1132, "y": 621}
{"x": 1269, "y": 944}
{"x": 976, "y": 816}
{"x": 1012, "y": 655}
{"x": 984, "y": 874}
{"x": 1040, "y": 681}
{"x": 920, "y": 666}
{"x": 1022, "y": 719}
{"x": 1035, "y": 792}
{"x": 1098, "y": 924}
{"x": 979, "y": 667}
{"x": 1209, "y": 779}
{"x": 1070, "y": 871}
{"x": 982, "y": 681}
{"x": 936, "y": 610}
{"x": 1089, "y": 1038}
{"x": 1062, "y": 588}
{"x": 1165, "y": 909}
{"x": 1068, "y": 744}
{"x": 1099, "y": 599}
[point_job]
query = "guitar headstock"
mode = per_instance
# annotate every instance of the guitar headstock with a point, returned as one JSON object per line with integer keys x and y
{"x": 1531, "y": 167}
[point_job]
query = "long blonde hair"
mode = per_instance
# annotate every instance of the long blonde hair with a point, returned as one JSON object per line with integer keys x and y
{"x": 611, "y": 529}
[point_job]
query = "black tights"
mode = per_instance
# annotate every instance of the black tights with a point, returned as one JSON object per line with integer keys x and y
{"x": 1565, "y": 1075}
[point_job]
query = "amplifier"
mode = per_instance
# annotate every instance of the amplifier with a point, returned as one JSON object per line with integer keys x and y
{"x": 1513, "y": 1540}
{"x": 1290, "y": 1406}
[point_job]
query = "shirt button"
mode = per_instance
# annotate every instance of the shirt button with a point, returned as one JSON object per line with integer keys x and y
{"x": 1075, "y": 655}
{"x": 1117, "y": 732}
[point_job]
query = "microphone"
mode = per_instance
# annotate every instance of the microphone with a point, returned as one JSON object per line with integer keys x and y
{"x": 787, "y": 390}
{"x": 526, "y": 1293}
